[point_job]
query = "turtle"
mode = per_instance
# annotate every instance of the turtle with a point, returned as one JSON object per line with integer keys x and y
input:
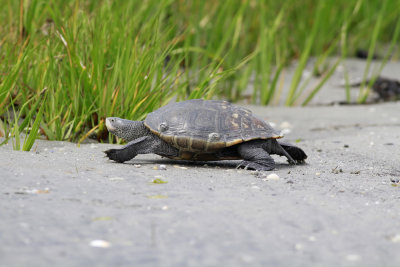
{"x": 203, "y": 130}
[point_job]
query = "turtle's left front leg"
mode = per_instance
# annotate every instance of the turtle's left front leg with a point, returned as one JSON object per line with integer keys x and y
{"x": 142, "y": 145}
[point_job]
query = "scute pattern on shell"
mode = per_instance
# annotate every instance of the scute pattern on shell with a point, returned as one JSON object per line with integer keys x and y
{"x": 193, "y": 125}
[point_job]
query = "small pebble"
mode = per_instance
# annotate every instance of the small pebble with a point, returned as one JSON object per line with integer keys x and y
{"x": 180, "y": 167}
{"x": 272, "y": 177}
{"x": 395, "y": 180}
{"x": 336, "y": 170}
{"x": 247, "y": 258}
{"x": 116, "y": 178}
{"x": 137, "y": 165}
{"x": 353, "y": 257}
{"x": 285, "y": 124}
{"x": 317, "y": 173}
{"x": 33, "y": 191}
{"x": 157, "y": 196}
{"x": 100, "y": 244}
{"x": 396, "y": 238}
{"x": 299, "y": 246}
{"x": 162, "y": 167}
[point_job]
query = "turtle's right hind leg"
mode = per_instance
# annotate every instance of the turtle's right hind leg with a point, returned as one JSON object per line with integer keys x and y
{"x": 294, "y": 151}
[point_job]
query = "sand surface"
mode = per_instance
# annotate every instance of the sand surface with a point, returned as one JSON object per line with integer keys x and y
{"x": 63, "y": 205}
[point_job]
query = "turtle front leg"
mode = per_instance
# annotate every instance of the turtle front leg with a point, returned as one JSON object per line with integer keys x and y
{"x": 255, "y": 157}
{"x": 142, "y": 145}
{"x": 129, "y": 151}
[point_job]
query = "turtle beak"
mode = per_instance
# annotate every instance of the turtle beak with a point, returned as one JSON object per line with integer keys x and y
{"x": 109, "y": 124}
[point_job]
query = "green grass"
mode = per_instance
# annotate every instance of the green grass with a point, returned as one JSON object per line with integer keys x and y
{"x": 95, "y": 59}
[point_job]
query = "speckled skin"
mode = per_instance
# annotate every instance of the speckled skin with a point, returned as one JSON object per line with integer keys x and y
{"x": 202, "y": 130}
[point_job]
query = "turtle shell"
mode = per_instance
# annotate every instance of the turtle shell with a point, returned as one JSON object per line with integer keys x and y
{"x": 207, "y": 125}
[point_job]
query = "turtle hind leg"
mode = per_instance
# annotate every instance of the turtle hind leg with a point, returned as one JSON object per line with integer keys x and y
{"x": 255, "y": 157}
{"x": 273, "y": 147}
{"x": 294, "y": 151}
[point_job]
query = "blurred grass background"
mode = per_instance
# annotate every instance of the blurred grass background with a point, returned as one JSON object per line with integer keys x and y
{"x": 65, "y": 65}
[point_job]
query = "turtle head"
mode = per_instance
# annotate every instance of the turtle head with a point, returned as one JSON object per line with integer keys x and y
{"x": 126, "y": 129}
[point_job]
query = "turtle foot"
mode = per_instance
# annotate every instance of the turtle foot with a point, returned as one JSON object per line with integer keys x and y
{"x": 113, "y": 155}
{"x": 251, "y": 165}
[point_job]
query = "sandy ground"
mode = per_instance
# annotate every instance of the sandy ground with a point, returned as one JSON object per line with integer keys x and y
{"x": 63, "y": 205}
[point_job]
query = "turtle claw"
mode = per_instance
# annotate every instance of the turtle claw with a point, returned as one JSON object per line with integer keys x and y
{"x": 251, "y": 165}
{"x": 291, "y": 161}
{"x": 300, "y": 162}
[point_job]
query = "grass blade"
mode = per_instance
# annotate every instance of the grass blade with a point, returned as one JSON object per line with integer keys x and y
{"x": 33, "y": 133}
{"x": 375, "y": 33}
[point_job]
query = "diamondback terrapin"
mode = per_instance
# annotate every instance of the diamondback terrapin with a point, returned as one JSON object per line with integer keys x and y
{"x": 203, "y": 130}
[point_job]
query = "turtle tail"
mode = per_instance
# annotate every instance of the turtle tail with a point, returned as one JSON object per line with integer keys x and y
{"x": 295, "y": 152}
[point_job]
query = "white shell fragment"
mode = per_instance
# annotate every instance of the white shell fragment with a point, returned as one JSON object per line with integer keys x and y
{"x": 33, "y": 191}
{"x": 116, "y": 178}
{"x": 353, "y": 257}
{"x": 285, "y": 124}
{"x": 180, "y": 167}
{"x": 396, "y": 238}
{"x": 100, "y": 244}
{"x": 272, "y": 177}
{"x": 160, "y": 167}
